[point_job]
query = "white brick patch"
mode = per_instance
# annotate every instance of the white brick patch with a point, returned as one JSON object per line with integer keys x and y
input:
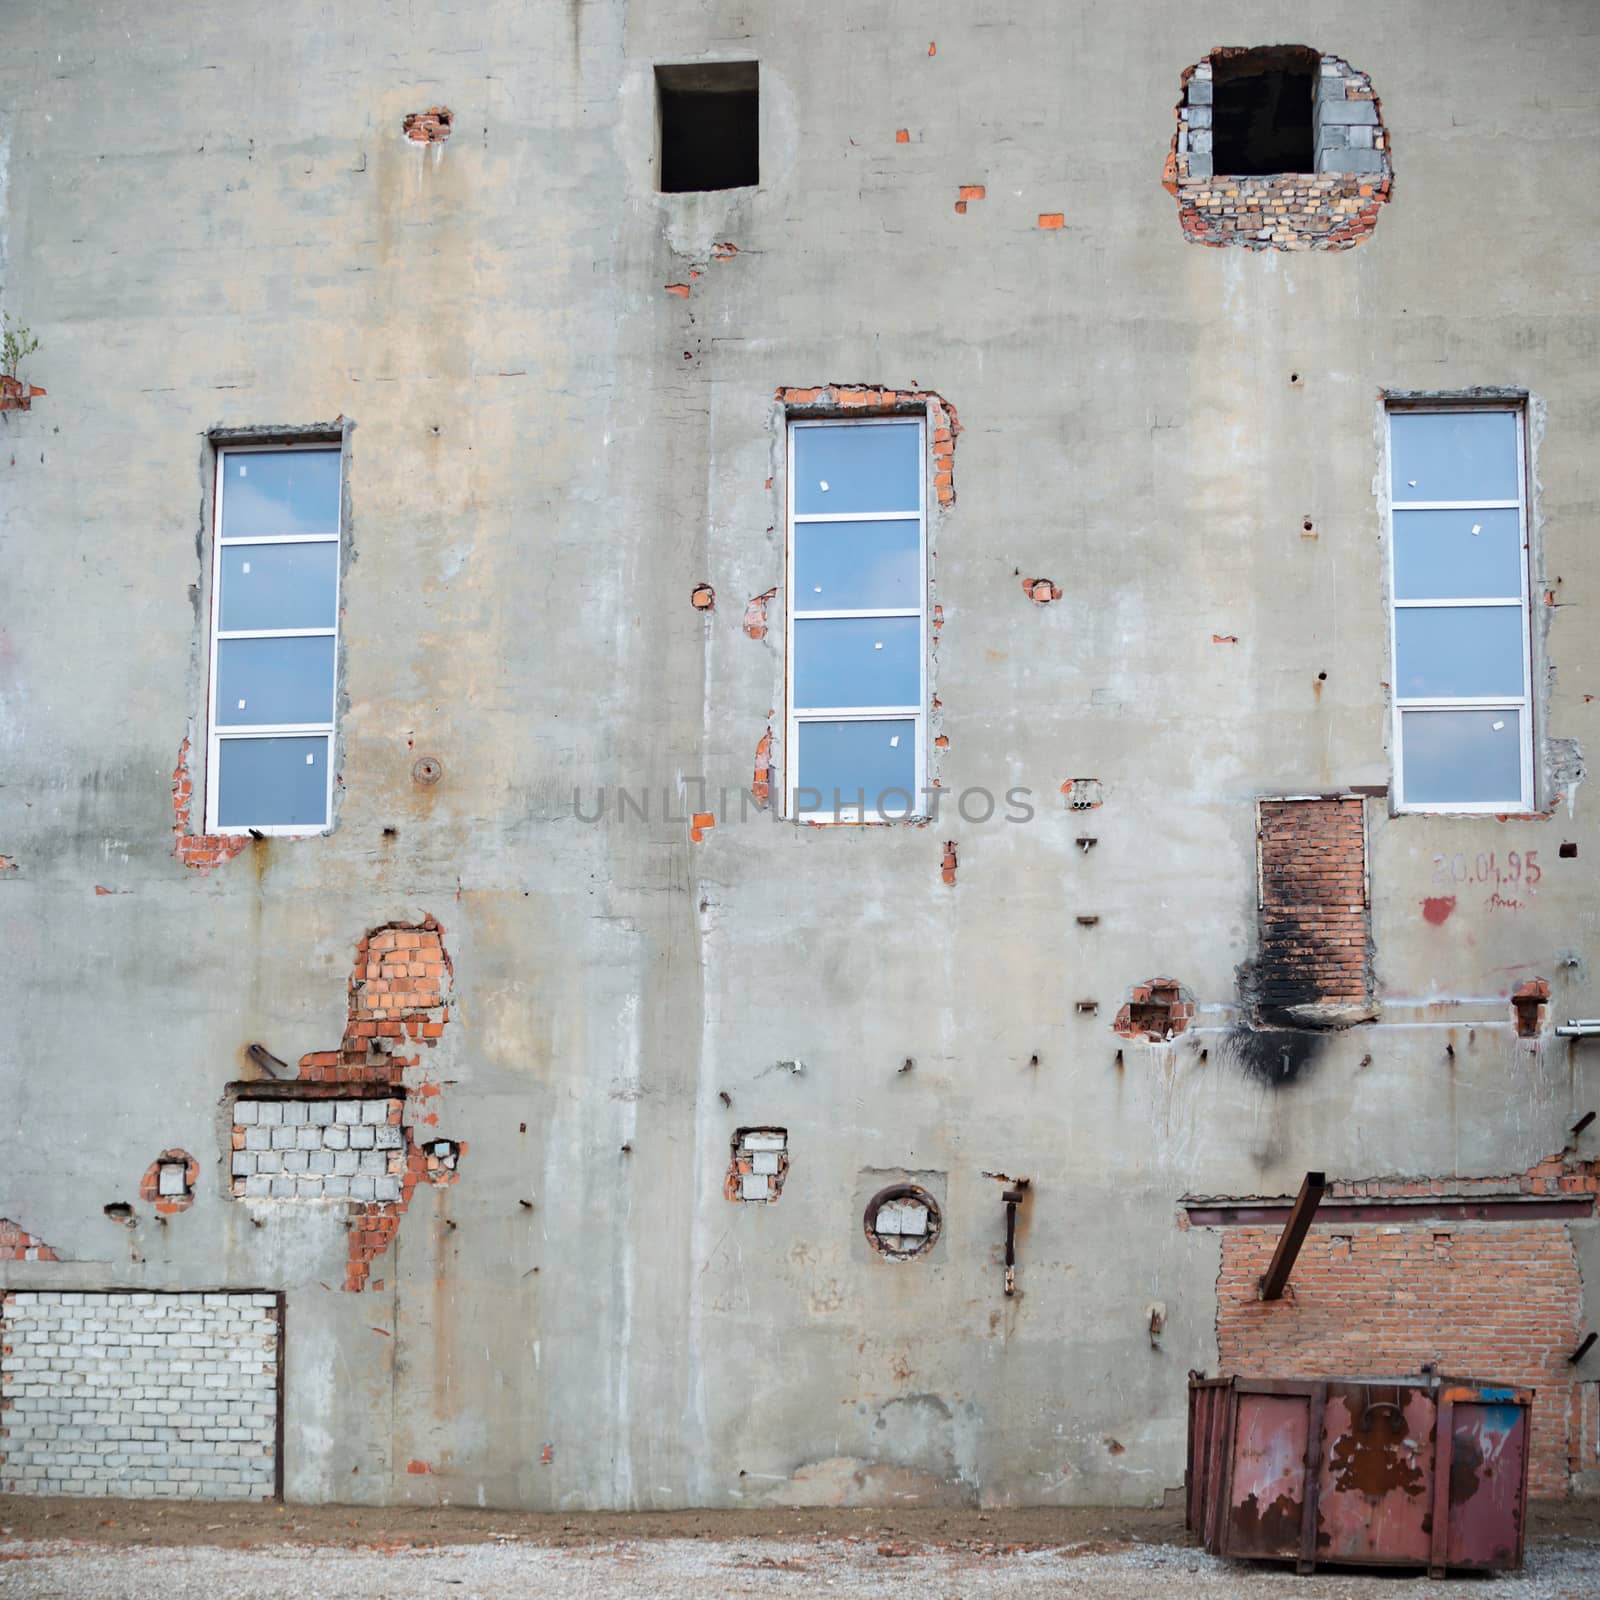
{"x": 318, "y": 1149}
{"x": 760, "y": 1164}
{"x": 170, "y": 1395}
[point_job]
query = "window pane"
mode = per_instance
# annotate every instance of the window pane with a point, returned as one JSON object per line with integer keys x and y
{"x": 874, "y": 758}
{"x": 1456, "y": 757}
{"x": 840, "y": 566}
{"x": 264, "y": 681}
{"x": 858, "y": 661}
{"x": 1462, "y": 650}
{"x": 262, "y": 783}
{"x": 1453, "y": 455}
{"x": 278, "y": 586}
{"x": 845, "y": 467}
{"x": 1457, "y": 555}
{"x": 271, "y": 492}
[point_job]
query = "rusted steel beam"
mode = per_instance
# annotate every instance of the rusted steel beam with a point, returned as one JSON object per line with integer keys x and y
{"x": 1503, "y": 1208}
{"x": 1583, "y": 1349}
{"x": 1293, "y": 1235}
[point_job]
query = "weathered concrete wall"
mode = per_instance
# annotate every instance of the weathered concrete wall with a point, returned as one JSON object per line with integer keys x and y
{"x": 212, "y": 219}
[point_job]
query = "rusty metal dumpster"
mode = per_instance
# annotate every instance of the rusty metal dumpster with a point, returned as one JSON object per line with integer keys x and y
{"x": 1395, "y": 1472}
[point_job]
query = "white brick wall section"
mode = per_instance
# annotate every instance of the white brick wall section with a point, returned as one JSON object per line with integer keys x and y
{"x": 150, "y": 1395}
{"x": 319, "y": 1149}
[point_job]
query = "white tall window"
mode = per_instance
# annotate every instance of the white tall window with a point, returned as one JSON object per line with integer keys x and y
{"x": 1463, "y": 735}
{"x": 274, "y": 639}
{"x": 857, "y": 619}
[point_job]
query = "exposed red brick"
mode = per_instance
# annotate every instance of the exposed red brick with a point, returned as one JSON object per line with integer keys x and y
{"x": 761, "y": 779}
{"x": 1528, "y": 1007}
{"x": 7, "y": 864}
{"x": 724, "y": 251}
{"x": 679, "y": 289}
{"x": 948, "y": 864}
{"x": 1154, "y": 1011}
{"x": 971, "y": 191}
{"x": 399, "y": 994}
{"x": 1224, "y": 638}
{"x": 703, "y": 597}
{"x": 1314, "y": 918}
{"x": 428, "y": 127}
{"x": 943, "y": 423}
{"x": 1280, "y": 211}
{"x": 1040, "y": 590}
{"x": 1050, "y": 220}
{"x": 755, "y": 614}
{"x": 15, "y": 395}
{"x": 1501, "y": 1302}
{"x": 902, "y": 136}
{"x": 170, "y": 1205}
{"x": 17, "y": 1244}
{"x": 700, "y": 824}
{"x": 201, "y": 851}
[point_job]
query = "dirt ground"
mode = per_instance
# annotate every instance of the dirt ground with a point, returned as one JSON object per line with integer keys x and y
{"x": 163, "y": 1522}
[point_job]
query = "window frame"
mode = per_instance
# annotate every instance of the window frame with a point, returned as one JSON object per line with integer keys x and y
{"x": 1526, "y": 801}
{"x": 215, "y": 734}
{"x": 918, "y": 715}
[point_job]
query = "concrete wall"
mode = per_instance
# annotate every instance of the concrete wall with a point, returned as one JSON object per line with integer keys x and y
{"x": 210, "y": 217}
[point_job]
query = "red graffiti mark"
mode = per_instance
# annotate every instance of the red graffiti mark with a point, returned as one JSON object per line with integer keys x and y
{"x": 418, "y": 1468}
{"x": 1437, "y": 909}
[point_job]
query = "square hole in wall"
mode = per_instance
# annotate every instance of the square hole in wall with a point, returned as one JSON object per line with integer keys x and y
{"x": 760, "y": 1164}
{"x": 1263, "y": 111}
{"x": 710, "y": 126}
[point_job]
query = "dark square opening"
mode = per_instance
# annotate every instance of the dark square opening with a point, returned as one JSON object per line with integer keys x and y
{"x": 710, "y": 126}
{"x": 1262, "y": 121}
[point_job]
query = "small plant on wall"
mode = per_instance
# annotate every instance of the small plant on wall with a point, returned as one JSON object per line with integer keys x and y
{"x": 17, "y": 343}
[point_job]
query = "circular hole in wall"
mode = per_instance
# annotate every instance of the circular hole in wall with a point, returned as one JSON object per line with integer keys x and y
{"x": 427, "y": 769}
{"x": 902, "y": 1221}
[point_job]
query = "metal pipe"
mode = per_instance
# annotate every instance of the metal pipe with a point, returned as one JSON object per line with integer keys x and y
{"x": 1579, "y": 1028}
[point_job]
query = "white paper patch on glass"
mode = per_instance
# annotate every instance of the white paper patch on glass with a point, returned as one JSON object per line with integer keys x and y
{"x": 894, "y": 743}
{"x": 310, "y": 759}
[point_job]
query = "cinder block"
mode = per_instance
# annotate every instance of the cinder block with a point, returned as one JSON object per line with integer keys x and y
{"x": 1200, "y": 141}
{"x": 308, "y": 1188}
{"x": 246, "y": 1113}
{"x": 763, "y": 1141}
{"x": 913, "y": 1219}
{"x": 319, "y": 1161}
{"x": 346, "y": 1161}
{"x": 308, "y": 1138}
{"x": 244, "y": 1163}
{"x": 336, "y": 1137}
{"x": 270, "y": 1111}
{"x": 765, "y": 1162}
{"x": 320, "y": 1112}
{"x": 348, "y": 1111}
{"x": 294, "y": 1112}
{"x": 386, "y": 1188}
{"x": 390, "y": 1137}
{"x": 257, "y": 1187}
{"x": 258, "y": 1138}
{"x": 373, "y": 1161}
{"x": 296, "y": 1160}
{"x": 1199, "y": 116}
{"x": 888, "y": 1219}
{"x": 753, "y": 1187}
{"x": 1200, "y": 167}
{"x": 361, "y": 1188}
{"x": 336, "y": 1187}
{"x": 283, "y": 1188}
{"x": 283, "y": 1138}
{"x": 1200, "y": 91}
{"x": 1331, "y": 110}
{"x": 374, "y": 1111}
{"x": 1353, "y": 161}
{"x": 363, "y": 1138}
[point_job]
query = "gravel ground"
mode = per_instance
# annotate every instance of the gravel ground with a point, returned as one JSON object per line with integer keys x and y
{"x": 1563, "y": 1569}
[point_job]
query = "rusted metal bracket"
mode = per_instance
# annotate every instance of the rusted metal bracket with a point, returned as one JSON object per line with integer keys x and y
{"x": 1013, "y": 1197}
{"x": 1293, "y": 1235}
{"x": 1583, "y": 1349}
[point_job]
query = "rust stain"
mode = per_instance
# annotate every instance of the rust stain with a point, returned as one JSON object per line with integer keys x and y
{"x": 1373, "y": 1459}
{"x": 1260, "y": 1532}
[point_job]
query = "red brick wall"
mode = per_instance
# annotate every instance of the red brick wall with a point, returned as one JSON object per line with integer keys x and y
{"x": 1482, "y": 1300}
{"x": 1313, "y": 902}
